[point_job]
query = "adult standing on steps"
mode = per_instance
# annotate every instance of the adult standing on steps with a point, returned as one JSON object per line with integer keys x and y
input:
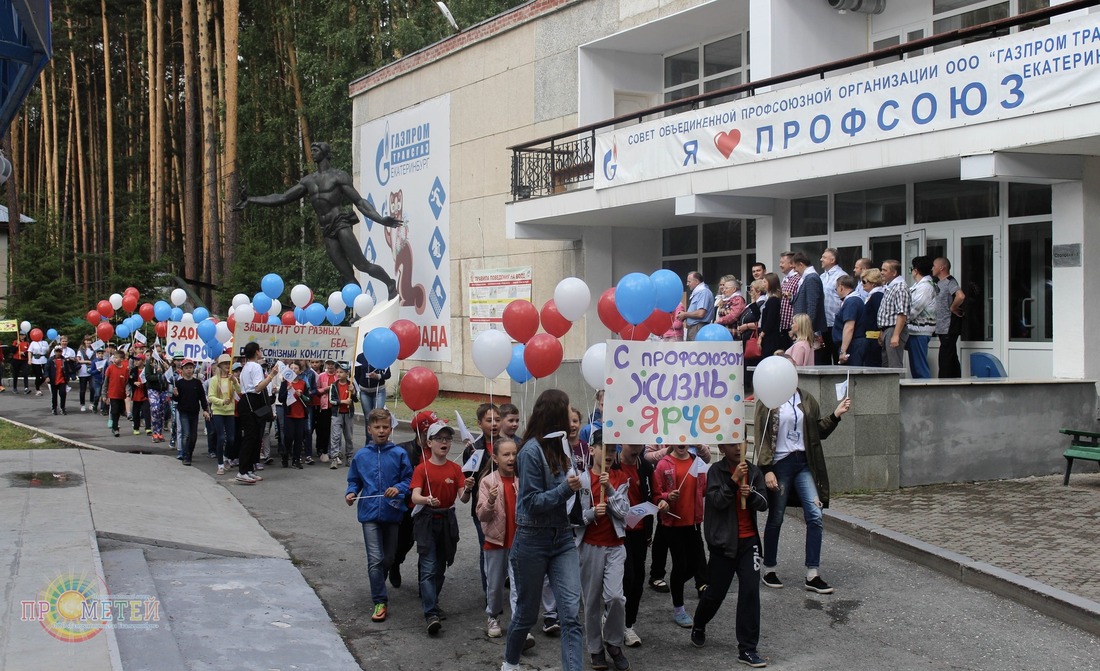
{"x": 254, "y": 386}
{"x": 790, "y": 455}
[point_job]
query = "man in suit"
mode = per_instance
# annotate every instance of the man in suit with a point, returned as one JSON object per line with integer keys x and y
{"x": 809, "y": 298}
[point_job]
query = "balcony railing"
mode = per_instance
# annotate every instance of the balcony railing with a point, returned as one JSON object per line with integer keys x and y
{"x": 552, "y": 164}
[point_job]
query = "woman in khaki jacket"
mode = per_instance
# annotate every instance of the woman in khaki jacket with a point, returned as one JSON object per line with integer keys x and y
{"x": 788, "y": 451}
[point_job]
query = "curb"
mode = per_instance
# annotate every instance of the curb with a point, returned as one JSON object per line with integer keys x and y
{"x": 1056, "y": 603}
{"x": 58, "y": 438}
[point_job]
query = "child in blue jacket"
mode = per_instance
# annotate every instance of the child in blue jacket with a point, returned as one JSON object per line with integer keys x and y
{"x": 379, "y": 478}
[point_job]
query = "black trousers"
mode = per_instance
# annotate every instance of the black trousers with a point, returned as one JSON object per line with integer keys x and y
{"x": 685, "y": 544}
{"x": 950, "y": 366}
{"x": 721, "y": 570}
{"x": 322, "y": 426}
{"x": 118, "y": 409}
{"x": 58, "y": 391}
{"x": 637, "y": 544}
{"x": 657, "y": 566}
{"x": 250, "y": 446}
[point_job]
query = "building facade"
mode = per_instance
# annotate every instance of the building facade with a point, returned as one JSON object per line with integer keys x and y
{"x": 982, "y": 149}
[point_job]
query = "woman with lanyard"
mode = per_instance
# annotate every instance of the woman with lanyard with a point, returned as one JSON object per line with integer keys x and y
{"x": 544, "y": 544}
{"x": 254, "y": 386}
{"x": 790, "y": 455}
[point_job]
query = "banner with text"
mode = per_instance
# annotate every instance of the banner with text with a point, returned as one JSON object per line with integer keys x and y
{"x": 183, "y": 339}
{"x": 674, "y": 393}
{"x": 299, "y": 342}
{"x": 491, "y": 290}
{"x": 1038, "y": 70}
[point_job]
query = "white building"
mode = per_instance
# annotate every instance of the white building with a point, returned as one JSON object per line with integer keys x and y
{"x": 983, "y": 150}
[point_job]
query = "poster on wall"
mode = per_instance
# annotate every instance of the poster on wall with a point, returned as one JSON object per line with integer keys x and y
{"x": 405, "y": 172}
{"x": 674, "y": 393}
{"x": 491, "y": 290}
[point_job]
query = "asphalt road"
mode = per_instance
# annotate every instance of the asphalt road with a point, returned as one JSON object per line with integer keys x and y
{"x": 885, "y": 614}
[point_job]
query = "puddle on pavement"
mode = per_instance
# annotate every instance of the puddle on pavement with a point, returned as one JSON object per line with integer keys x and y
{"x": 43, "y": 479}
{"x": 838, "y": 611}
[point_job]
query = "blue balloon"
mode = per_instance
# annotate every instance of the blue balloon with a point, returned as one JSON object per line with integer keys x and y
{"x": 136, "y": 322}
{"x": 635, "y": 298}
{"x": 274, "y": 320}
{"x": 200, "y": 314}
{"x": 300, "y": 315}
{"x": 349, "y": 293}
{"x": 315, "y": 314}
{"x": 272, "y": 286}
{"x": 51, "y": 334}
{"x": 262, "y": 302}
{"x": 207, "y": 330}
{"x": 123, "y": 331}
{"x": 517, "y": 369}
{"x": 177, "y": 314}
{"x": 214, "y": 348}
{"x": 381, "y": 347}
{"x": 669, "y": 288}
{"x": 335, "y": 318}
{"x": 162, "y": 311}
{"x": 714, "y": 333}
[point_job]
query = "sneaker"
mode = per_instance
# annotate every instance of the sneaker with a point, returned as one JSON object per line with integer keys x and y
{"x": 550, "y": 626}
{"x": 255, "y": 477}
{"x": 681, "y": 617}
{"x": 82, "y": 408}
{"x": 234, "y": 463}
{"x": 751, "y": 659}
{"x": 395, "y": 577}
{"x": 770, "y": 579}
{"x": 245, "y": 479}
{"x": 148, "y": 432}
{"x": 309, "y": 461}
{"x": 698, "y": 637}
{"x": 39, "y": 393}
{"x": 530, "y": 642}
{"x": 115, "y": 432}
{"x": 186, "y": 461}
{"x": 259, "y": 467}
{"x": 599, "y": 661}
{"x": 818, "y": 585}
{"x": 221, "y": 470}
{"x": 324, "y": 458}
{"x": 137, "y": 432}
{"x": 618, "y": 659}
{"x": 380, "y": 612}
{"x": 492, "y": 628}
{"x": 631, "y": 639}
{"x": 334, "y": 464}
{"x": 434, "y": 625}
{"x": 338, "y": 461}
{"x": 659, "y": 585}
{"x": 63, "y": 411}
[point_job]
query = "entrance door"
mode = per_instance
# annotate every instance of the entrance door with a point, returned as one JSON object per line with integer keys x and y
{"x": 979, "y": 271}
{"x": 912, "y": 246}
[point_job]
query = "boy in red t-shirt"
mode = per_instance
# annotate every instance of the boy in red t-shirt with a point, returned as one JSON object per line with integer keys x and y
{"x": 342, "y": 398}
{"x": 293, "y": 396}
{"x": 115, "y": 379}
{"x": 679, "y": 481}
{"x": 436, "y": 483}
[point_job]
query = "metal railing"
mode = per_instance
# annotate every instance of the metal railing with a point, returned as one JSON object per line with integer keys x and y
{"x": 552, "y": 164}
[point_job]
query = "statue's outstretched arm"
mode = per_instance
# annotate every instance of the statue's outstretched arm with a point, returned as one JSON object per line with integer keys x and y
{"x": 295, "y": 192}
{"x": 366, "y": 208}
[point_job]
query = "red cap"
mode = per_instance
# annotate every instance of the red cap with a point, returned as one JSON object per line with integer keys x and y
{"x": 139, "y": 357}
{"x": 187, "y": 362}
{"x": 422, "y": 421}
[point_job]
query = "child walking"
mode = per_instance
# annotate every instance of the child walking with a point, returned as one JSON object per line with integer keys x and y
{"x": 678, "y": 484}
{"x": 436, "y": 483}
{"x": 379, "y": 478}
{"x": 342, "y": 398}
{"x": 734, "y": 496}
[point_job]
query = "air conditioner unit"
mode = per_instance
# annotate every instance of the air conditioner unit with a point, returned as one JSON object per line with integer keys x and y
{"x": 861, "y": 6}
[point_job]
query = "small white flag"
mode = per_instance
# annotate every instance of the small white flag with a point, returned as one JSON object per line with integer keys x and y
{"x": 639, "y": 512}
{"x": 285, "y": 372}
{"x": 565, "y": 448}
{"x": 474, "y": 462}
{"x": 842, "y": 388}
{"x": 140, "y": 337}
{"x": 463, "y": 432}
{"x": 698, "y": 467}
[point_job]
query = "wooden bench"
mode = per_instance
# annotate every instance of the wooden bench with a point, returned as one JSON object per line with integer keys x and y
{"x": 1083, "y": 445}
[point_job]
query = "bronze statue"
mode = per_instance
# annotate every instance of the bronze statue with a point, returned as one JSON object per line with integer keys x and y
{"x": 328, "y": 189}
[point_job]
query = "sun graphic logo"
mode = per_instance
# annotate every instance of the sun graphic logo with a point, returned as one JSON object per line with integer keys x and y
{"x": 70, "y": 608}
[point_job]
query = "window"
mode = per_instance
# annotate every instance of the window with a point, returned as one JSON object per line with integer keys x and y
{"x": 810, "y": 217}
{"x": 1030, "y": 287}
{"x": 870, "y": 208}
{"x": 948, "y": 15}
{"x": 707, "y": 67}
{"x": 953, "y": 199}
{"x": 715, "y": 249}
{"x": 1025, "y": 200}
{"x": 894, "y": 40}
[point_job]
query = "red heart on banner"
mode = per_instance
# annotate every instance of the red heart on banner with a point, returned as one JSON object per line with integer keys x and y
{"x": 727, "y": 142}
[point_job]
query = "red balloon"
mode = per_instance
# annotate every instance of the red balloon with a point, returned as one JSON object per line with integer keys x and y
{"x": 105, "y": 308}
{"x": 609, "y": 314}
{"x": 162, "y": 329}
{"x": 259, "y": 318}
{"x": 552, "y": 321}
{"x": 521, "y": 320}
{"x": 419, "y": 387}
{"x": 542, "y": 355}
{"x": 288, "y": 318}
{"x": 94, "y": 317}
{"x": 132, "y": 291}
{"x": 147, "y": 312}
{"x": 232, "y": 323}
{"x": 637, "y": 333}
{"x": 658, "y": 322}
{"x": 105, "y": 331}
{"x": 408, "y": 335}
{"x": 36, "y": 335}
{"x": 129, "y": 302}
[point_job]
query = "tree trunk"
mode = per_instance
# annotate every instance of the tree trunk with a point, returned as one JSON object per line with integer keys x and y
{"x": 232, "y": 183}
{"x": 80, "y": 193}
{"x": 156, "y": 246}
{"x": 210, "y": 167}
{"x": 110, "y": 148}
{"x": 191, "y": 180}
{"x": 303, "y": 122}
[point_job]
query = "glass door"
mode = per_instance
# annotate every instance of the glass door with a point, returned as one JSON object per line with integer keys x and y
{"x": 912, "y": 246}
{"x": 979, "y": 272}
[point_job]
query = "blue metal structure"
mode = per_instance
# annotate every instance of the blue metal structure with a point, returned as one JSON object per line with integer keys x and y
{"x": 25, "y": 48}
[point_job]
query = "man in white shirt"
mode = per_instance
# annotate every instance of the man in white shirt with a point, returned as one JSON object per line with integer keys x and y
{"x": 38, "y": 351}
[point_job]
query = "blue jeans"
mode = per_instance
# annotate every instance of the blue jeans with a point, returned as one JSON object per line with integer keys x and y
{"x": 225, "y": 432}
{"x": 380, "y": 539}
{"x": 371, "y": 400}
{"x": 189, "y": 433}
{"x": 918, "y": 356}
{"x": 793, "y": 470}
{"x": 539, "y": 552}
{"x": 432, "y": 568}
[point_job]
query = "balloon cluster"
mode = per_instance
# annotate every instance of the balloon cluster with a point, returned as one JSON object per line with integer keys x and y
{"x": 382, "y": 346}
{"x": 534, "y": 355}
{"x": 109, "y": 308}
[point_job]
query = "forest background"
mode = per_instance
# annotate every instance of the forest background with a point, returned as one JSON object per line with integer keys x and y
{"x": 154, "y": 114}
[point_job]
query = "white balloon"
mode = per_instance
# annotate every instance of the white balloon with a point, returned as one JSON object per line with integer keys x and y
{"x": 244, "y": 314}
{"x": 572, "y": 298}
{"x": 300, "y": 295}
{"x": 179, "y": 297}
{"x": 336, "y": 302}
{"x": 592, "y": 366}
{"x": 223, "y": 334}
{"x": 774, "y": 381}
{"x": 232, "y": 311}
{"x": 240, "y": 299}
{"x": 364, "y": 304}
{"x": 116, "y": 300}
{"x": 187, "y": 317}
{"x": 492, "y": 351}
{"x": 276, "y": 307}
{"x": 25, "y": 327}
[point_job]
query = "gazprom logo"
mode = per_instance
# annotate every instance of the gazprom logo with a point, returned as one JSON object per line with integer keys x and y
{"x": 382, "y": 158}
{"x": 610, "y": 166}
